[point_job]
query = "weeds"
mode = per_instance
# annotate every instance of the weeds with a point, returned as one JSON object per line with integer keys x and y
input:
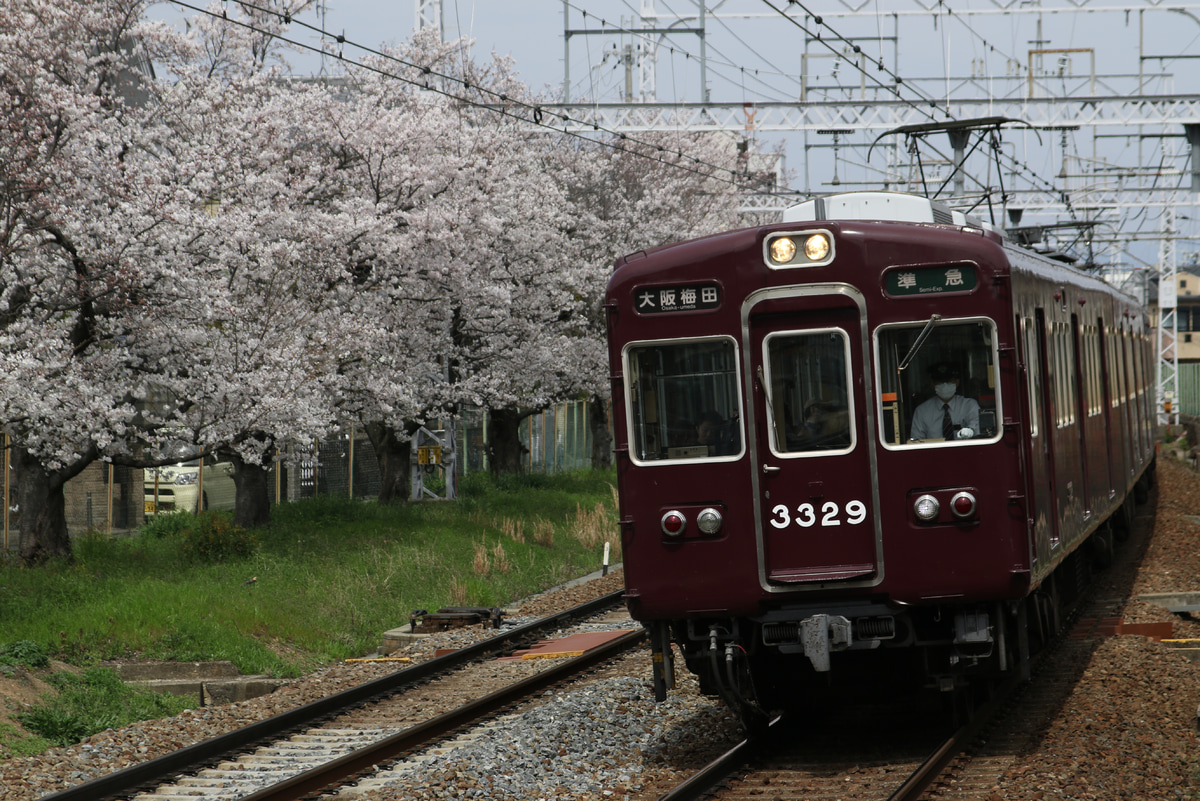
{"x": 543, "y": 532}
{"x": 500, "y": 558}
{"x": 170, "y": 524}
{"x": 24, "y": 653}
{"x": 482, "y": 564}
{"x": 595, "y": 527}
{"x": 212, "y": 537}
{"x": 91, "y": 702}
{"x": 513, "y": 530}
{"x": 458, "y": 592}
{"x": 14, "y": 743}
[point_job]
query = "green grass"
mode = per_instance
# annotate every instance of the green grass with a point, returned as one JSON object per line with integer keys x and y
{"x": 322, "y": 583}
{"x": 92, "y": 701}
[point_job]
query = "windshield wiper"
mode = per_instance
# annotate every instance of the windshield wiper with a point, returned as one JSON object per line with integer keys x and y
{"x": 934, "y": 320}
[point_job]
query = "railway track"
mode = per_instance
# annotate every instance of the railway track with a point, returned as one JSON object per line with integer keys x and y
{"x": 897, "y": 753}
{"x": 865, "y": 752}
{"x": 316, "y": 746}
{"x": 836, "y": 760}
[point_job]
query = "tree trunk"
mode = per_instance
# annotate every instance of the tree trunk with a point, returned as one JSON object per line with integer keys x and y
{"x": 602, "y": 439}
{"x": 43, "y": 511}
{"x": 395, "y": 461}
{"x": 253, "y": 484}
{"x": 505, "y": 451}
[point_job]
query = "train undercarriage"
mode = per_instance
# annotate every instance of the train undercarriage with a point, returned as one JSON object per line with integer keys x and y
{"x": 807, "y": 657}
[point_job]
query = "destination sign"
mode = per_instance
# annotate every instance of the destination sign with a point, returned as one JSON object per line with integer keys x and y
{"x": 666, "y": 299}
{"x": 930, "y": 280}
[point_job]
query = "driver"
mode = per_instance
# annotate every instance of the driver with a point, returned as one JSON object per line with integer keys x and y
{"x": 947, "y": 415}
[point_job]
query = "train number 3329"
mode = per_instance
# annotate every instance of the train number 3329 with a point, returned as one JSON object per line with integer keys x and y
{"x": 830, "y": 515}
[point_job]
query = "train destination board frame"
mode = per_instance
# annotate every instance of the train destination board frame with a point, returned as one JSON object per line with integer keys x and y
{"x": 944, "y": 279}
{"x": 670, "y": 299}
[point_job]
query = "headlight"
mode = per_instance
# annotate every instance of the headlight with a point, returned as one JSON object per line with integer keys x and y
{"x": 798, "y": 249}
{"x": 187, "y": 478}
{"x": 926, "y": 508}
{"x": 783, "y": 250}
{"x": 709, "y": 521}
{"x": 816, "y": 247}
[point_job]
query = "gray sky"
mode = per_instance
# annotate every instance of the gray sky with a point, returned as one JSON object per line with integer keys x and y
{"x": 984, "y": 48}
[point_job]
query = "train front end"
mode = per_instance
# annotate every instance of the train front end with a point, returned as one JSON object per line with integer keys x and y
{"x": 788, "y": 520}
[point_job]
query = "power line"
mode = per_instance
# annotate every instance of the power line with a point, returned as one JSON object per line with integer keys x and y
{"x": 537, "y": 113}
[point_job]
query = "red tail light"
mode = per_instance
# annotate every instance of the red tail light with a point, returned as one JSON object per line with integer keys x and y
{"x": 963, "y": 505}
{"x": 673, "y": 523}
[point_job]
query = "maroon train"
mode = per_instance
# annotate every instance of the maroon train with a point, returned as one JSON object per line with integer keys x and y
{"x": 785, "y": 520}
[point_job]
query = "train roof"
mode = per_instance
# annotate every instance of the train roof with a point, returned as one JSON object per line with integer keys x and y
{"x": 884, "y": 207}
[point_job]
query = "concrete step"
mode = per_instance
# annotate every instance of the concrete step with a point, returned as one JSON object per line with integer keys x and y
{"x": 208, "y": 682}
{"x": 139, "y": 671}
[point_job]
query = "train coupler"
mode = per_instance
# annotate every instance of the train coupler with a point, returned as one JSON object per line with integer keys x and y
{"x": 822, "y": 634}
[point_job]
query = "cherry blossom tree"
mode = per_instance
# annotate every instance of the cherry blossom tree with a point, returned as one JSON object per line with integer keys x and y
{"x": 79, "y": 250}
{"x": 627, "y": 194}
{"x": 469, "y": 292}
{"x": 267, "y": 249}
{"x": 124, "y": 303}
{"x": 239, "y": 261}
{"x": 485, "y": 280}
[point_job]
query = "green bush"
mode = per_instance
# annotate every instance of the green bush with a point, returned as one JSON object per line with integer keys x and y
{"x": 25, "y": 653}
{"x": 213, "y": 537}
{"x": 92, "y": 701}
{"x": 171, "y": 524}
{"x": 55, "y": 725}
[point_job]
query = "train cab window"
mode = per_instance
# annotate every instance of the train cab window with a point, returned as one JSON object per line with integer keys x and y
{"x": 937, "y": 382}
{"x": 810, "y": 406}
{"x": 683, "y": 400}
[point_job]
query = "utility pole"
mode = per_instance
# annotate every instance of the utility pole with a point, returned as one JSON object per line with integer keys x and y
{"x": 429, "y": 17}
{"x": 1167, "y": 378}
{"x": 643, "y": 51}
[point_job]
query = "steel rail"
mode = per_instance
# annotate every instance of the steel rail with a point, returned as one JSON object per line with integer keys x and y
{"x": 941, "y": 757}
{"x": 198, "y": 755}
{"x": 390, "y": 748}
{"x": 703, "y": 780}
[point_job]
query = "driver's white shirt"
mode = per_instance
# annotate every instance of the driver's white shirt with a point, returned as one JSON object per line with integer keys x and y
{"x": 927, "y": 418}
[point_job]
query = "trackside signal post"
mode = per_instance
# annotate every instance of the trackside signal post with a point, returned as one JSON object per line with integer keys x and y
{"x": 433, "y": 455}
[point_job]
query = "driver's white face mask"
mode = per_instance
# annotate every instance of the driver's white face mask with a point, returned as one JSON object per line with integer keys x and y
{"x": 946, "y": 391}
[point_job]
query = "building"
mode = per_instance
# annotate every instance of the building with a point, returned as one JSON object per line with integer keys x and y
{"x": 1187, "y": 315}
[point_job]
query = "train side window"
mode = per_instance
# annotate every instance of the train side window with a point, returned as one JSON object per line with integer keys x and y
{"x": 928, "y": 369}
{"x": 811, "y": 408}
{"x": 1096, "y": 390}
{"x": 682, "y": 398}
{"x": 1033, "y": 373}
{"x": 1112, "y": 341}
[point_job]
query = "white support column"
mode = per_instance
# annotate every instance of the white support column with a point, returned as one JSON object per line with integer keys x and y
{"x": 647, "y": 49}
{"x": 1167, "y": 377}
{"x": 429, "y": 16}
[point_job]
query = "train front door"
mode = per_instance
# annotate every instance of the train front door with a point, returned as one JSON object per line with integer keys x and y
{"x": 813, "y": 456}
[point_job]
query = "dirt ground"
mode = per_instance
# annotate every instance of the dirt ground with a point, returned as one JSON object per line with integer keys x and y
{"x": 21, "y": 690}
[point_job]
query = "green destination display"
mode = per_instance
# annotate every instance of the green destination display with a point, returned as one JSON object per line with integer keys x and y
{"x": 930, "y": 280}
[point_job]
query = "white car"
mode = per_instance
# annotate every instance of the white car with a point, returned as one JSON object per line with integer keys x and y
{"x": 178, "y": 487}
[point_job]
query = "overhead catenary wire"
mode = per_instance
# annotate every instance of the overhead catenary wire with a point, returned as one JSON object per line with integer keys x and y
{"x": 547, "y": 116}
{"x": 537, "y": 113}
{"x": 768, "y": 92}
{"x": 731, "y": 63}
